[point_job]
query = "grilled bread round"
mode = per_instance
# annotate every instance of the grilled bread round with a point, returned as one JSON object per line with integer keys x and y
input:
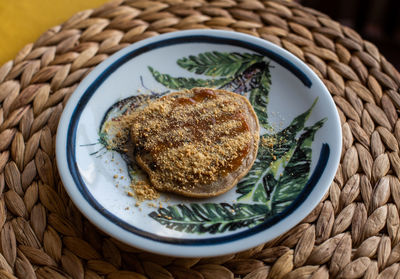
{"x": 196, "y": 143}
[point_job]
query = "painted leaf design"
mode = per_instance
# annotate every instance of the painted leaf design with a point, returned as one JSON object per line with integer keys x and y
{"x": 253, "y": 184}
{"x": 292, "y": 131}
{"x": 259, "y": 98}
{"x": 121, "y": 107}
{"x": 186, "y": 83}
{"x": 219, "y": 63}
{"x": 107, "y": 136}
{"x": 296, "y": 172}
{"x": 210, "y": 217}
{"x": 248, "y": 80}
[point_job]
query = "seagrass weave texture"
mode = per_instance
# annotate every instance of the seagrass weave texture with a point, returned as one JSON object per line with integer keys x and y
{"x": 354, "y": 231}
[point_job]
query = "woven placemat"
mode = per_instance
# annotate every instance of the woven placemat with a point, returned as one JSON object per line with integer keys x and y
{"x": 354, "y": 231}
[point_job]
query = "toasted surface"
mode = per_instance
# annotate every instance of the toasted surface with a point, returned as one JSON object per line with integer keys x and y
{"x": 197, "y": 143}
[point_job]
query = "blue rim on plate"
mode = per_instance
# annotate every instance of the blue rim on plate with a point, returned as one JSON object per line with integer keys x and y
{"x": 183, "y": 37}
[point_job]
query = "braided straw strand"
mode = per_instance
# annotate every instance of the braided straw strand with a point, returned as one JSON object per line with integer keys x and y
{"x": 355, "y": 230}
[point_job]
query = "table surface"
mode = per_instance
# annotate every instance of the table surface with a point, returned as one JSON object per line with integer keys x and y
{"x": 353, "y": 232}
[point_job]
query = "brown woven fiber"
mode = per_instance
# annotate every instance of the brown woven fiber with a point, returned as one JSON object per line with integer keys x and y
{"x": 354, "y": 232}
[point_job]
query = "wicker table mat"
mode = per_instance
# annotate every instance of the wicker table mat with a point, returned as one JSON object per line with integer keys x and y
{"x": 354, "y": 231}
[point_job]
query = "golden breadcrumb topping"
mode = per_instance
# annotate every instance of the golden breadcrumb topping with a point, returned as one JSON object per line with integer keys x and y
{"x": 187, "y": 141}
{"x": 184, "y": 139}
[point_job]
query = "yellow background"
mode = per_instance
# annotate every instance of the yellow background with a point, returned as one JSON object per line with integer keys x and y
{"x": 23, "y": 21}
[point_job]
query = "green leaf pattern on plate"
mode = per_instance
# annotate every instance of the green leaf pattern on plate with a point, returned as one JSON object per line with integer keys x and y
{"x": 210, "y": 217}
{"x": 219, "y": 63}
{"x": 295, "y": 174}
{"x": 188, "y": 83}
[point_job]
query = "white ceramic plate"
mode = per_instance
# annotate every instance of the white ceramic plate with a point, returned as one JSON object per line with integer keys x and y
{"x": 289, "y": 178}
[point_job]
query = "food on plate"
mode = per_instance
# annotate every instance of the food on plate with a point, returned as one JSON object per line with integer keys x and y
{"x": 196, "y": 143}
